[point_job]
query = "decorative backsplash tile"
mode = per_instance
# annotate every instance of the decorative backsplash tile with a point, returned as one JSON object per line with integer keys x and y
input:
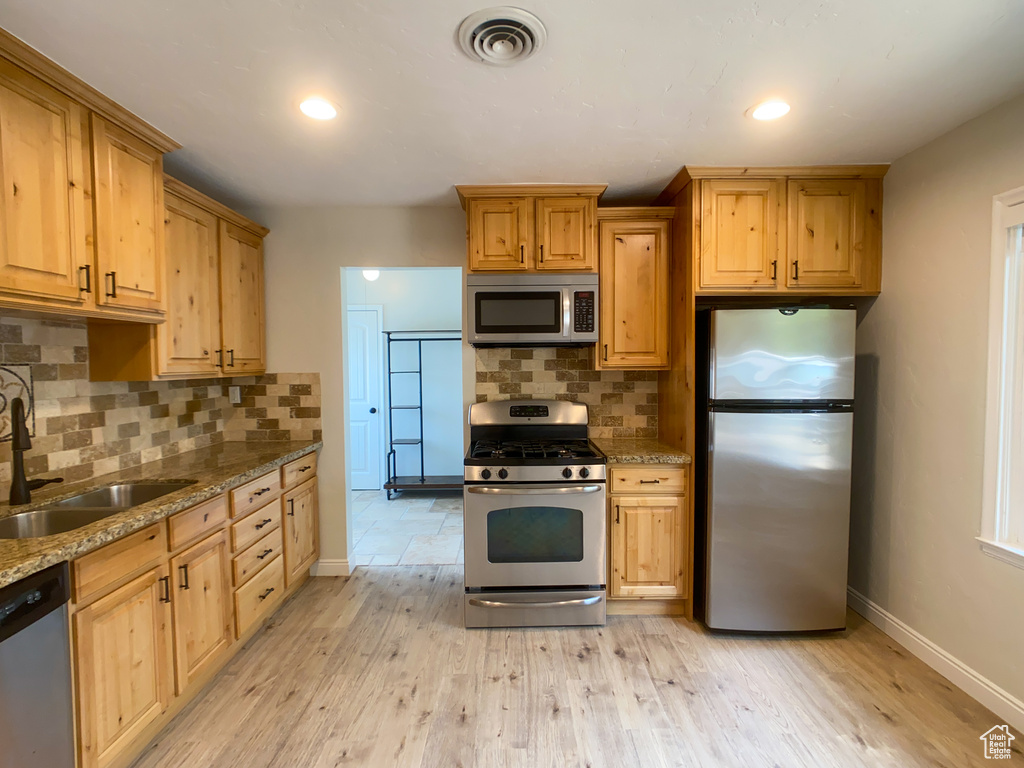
{"x": 621, "y": 403}
{"x": 277, "y": 406}
{"x": 16, "y": 381}
{"x": 84, "y": 429}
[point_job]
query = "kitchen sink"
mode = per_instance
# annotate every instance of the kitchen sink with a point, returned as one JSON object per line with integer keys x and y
{"x": 69, "y": 514}
{"x": 122, "y": 496}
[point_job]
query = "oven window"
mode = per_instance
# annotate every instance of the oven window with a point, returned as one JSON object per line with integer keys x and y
{"x": 535, "y": 535}
{"x": 519, "y": 312}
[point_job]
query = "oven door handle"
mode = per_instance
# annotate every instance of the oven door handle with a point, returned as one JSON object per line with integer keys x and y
{"x": 531, "y": 490}
{"x": 477, "y": 602}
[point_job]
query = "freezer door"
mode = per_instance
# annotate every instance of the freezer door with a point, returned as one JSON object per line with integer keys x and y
{"x": 772, "y": 354}
{"x": 779, "y": 512}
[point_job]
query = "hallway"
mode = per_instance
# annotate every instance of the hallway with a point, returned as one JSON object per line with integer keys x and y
{"x": 415, "y": 528}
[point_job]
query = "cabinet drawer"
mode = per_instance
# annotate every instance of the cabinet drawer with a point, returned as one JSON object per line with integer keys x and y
{"x": 255, "y": 526}
{"x": 255, "y": 493}
{"x": 649, "y": 479}
{"x": 260, "y": 595}
{"x": 251, "y": 561}
{"x": 193, "y": 523}
{"x": 295, "y": 472}
{"x": 94, "y": 572}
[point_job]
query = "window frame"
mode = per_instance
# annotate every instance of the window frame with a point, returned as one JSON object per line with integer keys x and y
{"x": 1002, "y": 532}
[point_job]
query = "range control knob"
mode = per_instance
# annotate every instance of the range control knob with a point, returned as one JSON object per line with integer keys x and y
{"x": 486, "y": 474}
{"x": 502, "y": 473}
{"x": 584, "y": 472}
{"x": 567, "y": 473}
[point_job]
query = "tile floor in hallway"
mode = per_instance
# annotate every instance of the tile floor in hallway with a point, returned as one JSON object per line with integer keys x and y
{"x": 414, "y": 528}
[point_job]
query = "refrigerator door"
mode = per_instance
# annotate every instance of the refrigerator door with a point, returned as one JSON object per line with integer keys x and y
{"x": 772, "y": 354}
{"x": 778, "y": 529}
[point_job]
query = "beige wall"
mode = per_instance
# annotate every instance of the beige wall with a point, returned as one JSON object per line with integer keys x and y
{"x": 921, "y": 398}
{"x": 305, "y": 251}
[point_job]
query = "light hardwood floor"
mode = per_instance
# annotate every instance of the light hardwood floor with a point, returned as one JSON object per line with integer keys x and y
{"x": 378, "y": 671}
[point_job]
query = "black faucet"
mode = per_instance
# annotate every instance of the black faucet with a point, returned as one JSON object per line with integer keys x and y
{"x": 21, "y": 489}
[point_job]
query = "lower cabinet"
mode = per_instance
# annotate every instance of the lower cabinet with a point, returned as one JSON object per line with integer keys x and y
{"x": 201, "y": 604}
{"x": 157, "y": 612}
{"x": 123, "y": 666}
{"x": 649, "y": 541}
{"x": 301, "y": 530}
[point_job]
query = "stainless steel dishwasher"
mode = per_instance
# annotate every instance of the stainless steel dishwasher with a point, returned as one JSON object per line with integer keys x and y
{"x": 35, "y": 673}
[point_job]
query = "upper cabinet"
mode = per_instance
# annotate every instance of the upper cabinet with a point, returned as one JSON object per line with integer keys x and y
{"x": 769, "y": 231}
{"x": 129, "y": 200}
{"x": 43, "y": 253}
{"x": 81, "y": 196}
{"x": 215, "y": 317}
{"x": 634, "y": 295}
{"x": 519, "y": 227}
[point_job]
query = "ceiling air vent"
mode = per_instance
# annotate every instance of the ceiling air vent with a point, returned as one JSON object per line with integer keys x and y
{"x": 501, "y": 36}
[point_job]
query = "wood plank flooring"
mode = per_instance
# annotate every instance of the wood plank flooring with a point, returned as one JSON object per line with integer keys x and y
{"x": 377, "y": 671}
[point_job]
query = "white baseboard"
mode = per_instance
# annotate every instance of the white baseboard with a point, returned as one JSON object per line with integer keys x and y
{"x": 1004, "y": 704}
{"x": 330, "y": 568}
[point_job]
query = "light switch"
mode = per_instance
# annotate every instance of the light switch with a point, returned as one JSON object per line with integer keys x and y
{"x": 235, "y": 395}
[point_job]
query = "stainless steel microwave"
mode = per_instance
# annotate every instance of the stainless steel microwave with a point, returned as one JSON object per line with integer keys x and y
{"x": 531, "y": 310}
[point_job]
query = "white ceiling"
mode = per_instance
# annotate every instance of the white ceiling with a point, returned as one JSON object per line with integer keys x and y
{"x": 623, "y": 92}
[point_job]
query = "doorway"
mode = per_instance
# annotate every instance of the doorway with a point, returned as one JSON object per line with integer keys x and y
{"x": 425, "y": 385}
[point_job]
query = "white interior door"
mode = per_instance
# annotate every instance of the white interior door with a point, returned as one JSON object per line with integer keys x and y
{"x": 364, "y": 396}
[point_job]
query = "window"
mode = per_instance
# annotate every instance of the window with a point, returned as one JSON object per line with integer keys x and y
{"x": 1002, "y": 529}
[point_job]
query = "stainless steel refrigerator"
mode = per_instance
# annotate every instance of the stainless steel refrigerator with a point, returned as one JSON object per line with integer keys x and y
{"x": 779, "y": 427}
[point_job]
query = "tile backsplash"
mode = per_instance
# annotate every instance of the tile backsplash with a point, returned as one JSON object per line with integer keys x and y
{"x": 84, "y": 429}
{"x": 622, "y": 403}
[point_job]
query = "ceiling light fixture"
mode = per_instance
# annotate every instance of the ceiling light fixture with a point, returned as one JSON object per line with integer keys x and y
{"x": 371, "y": 274}
{"x": 318, "y": 108}
{"x": 769, "y": 110}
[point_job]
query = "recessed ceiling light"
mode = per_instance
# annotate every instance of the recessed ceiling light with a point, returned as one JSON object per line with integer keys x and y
{"x": 769, "y": 110}
{"x": 371, "y": 274}
{"x": 318, "y": 108}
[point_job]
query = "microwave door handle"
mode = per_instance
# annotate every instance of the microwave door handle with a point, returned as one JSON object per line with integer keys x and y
{"x": 521, "y": 490}
{"x": 566, "y": 311}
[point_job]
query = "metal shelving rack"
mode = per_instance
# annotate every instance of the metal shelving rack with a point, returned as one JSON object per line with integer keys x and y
{"x": 395, "y": 481}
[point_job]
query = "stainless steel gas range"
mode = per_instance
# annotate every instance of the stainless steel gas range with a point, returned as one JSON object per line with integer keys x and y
{"x": 535, "y": 519}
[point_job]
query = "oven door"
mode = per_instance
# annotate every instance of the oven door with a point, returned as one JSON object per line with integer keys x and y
{"x": 535, "y": 535}
{"x": 519, "y": 314}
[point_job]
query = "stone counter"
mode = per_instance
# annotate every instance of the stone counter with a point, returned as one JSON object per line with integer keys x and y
{"x": 215, "y": 469}
{"x": 622, "y": 450}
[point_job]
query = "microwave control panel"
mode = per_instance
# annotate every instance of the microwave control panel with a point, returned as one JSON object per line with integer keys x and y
{"x": 583, "y": 312}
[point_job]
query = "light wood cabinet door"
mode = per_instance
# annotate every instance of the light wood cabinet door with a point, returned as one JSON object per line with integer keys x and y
{"x": 43, "y": 252}
{"x": 301, "y": 530}
{"x": 827, "y": 233}
{"x": 739, "y": 234}
{"x": 202, "y": 607}
{"x": 123, "y": 666}
{"x": 129, "y": 200}
{"x": 565, "y": 233}
{"x": 241, "y": 301}
{"x": 499, "y": 234}
{"x": 189, "y": 339}
{"x": 648, "y": 551}
{"x": 634, "y": 294}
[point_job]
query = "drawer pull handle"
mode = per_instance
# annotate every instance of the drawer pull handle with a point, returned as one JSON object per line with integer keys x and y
{"x": 261, "y": 491}
{"x": 184, "y": 575}
{"x": 264, "y": 524}
{"x": 266, "y": 594}
{"x": 305, "y": 468}
{"x": 166, "y": 580}
{"x": 260, "y": 557}
{"x": 649, "y": 482}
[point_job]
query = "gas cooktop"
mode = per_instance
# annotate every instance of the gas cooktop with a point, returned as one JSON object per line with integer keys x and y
{"x": 506, "y": 450}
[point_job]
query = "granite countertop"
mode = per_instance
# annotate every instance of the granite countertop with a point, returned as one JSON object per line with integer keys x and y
{"x": 624, "y": 450}
{"x": 215, "y": 470}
